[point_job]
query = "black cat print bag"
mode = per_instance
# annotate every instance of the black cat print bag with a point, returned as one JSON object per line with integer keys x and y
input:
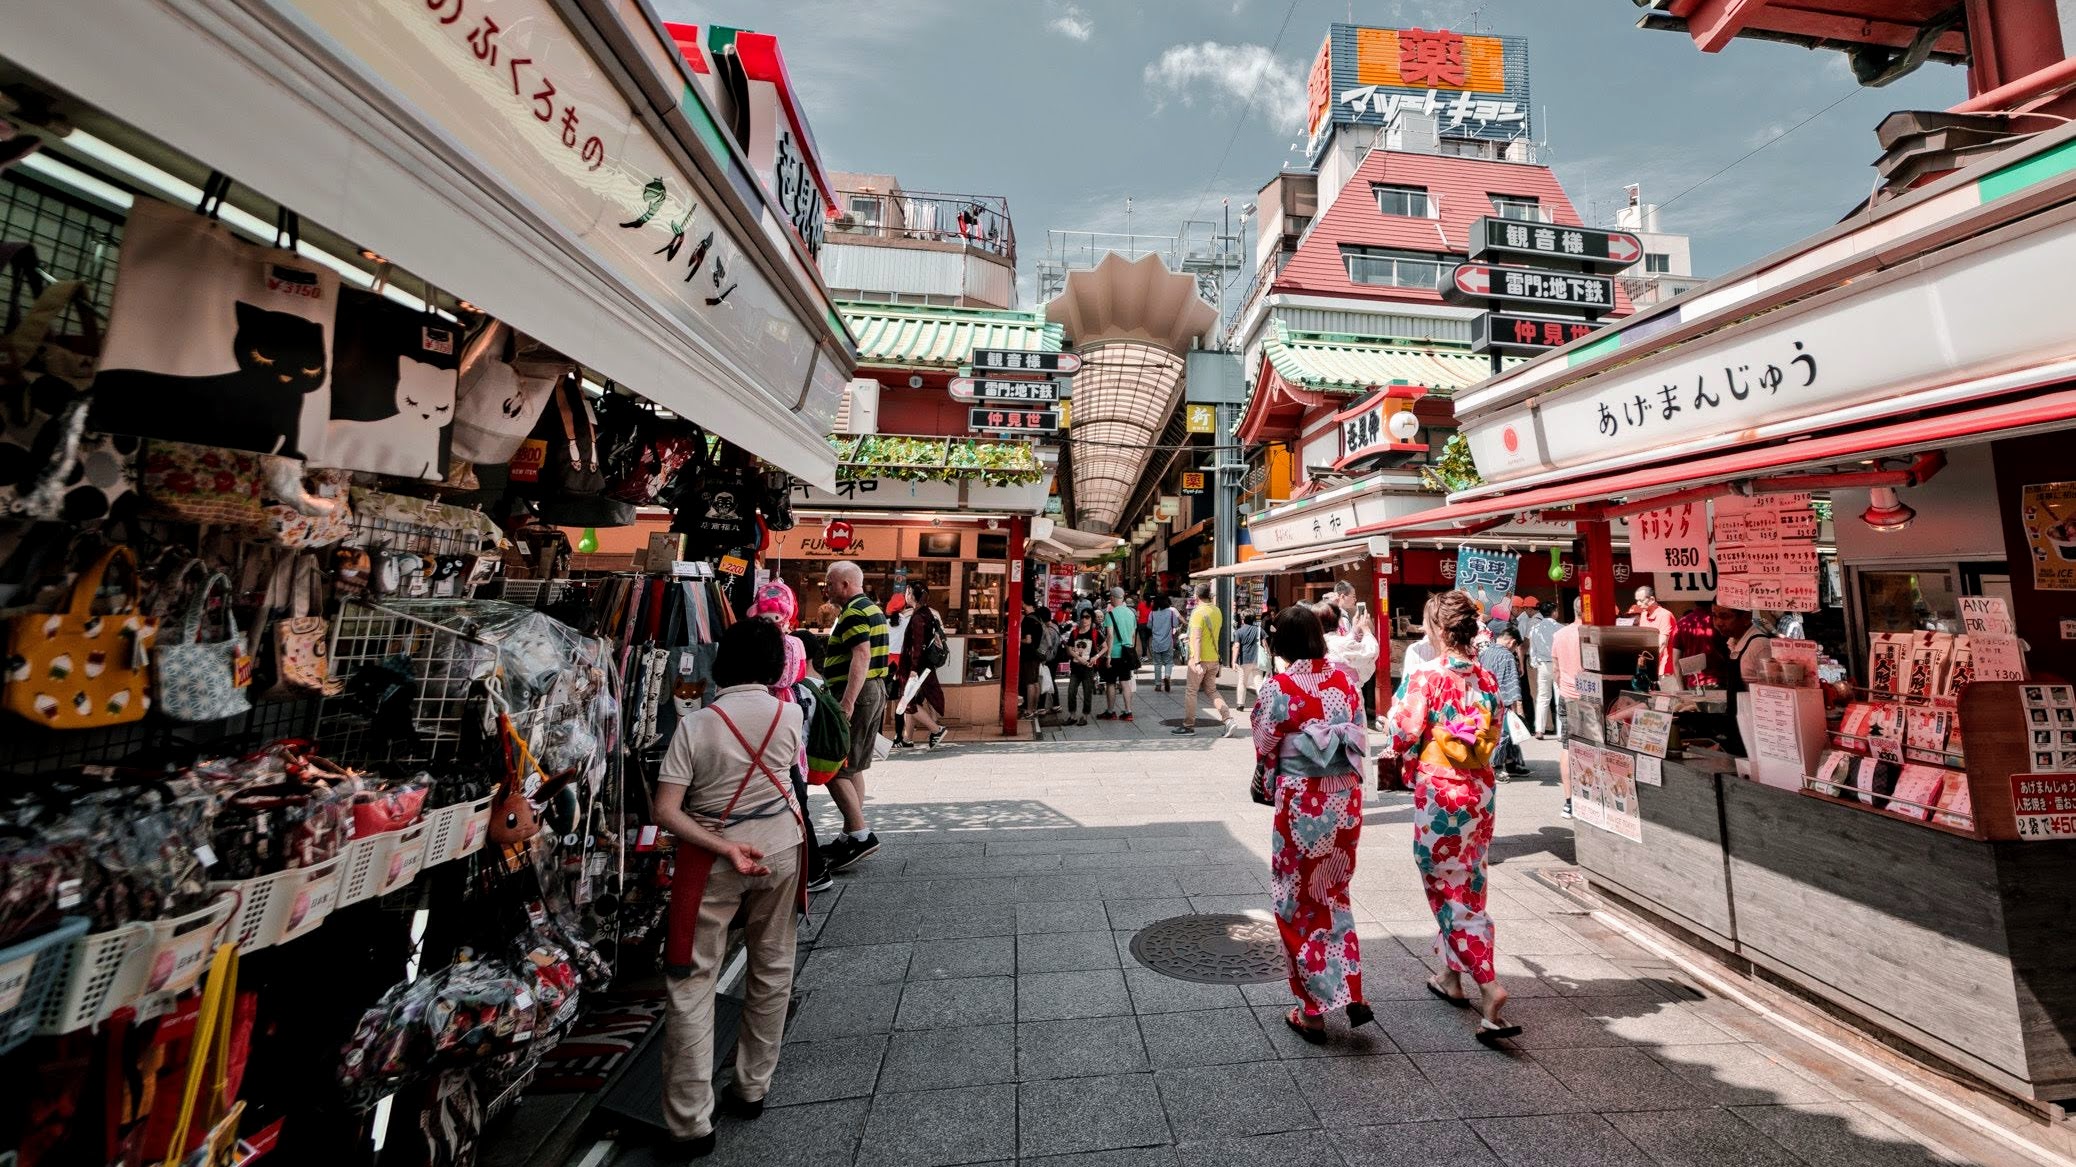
{"x": 216, "y": 341}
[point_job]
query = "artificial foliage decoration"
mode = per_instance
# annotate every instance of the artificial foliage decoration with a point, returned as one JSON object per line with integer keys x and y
{"x": 1454, "y": 470}
{"x": 919, "y": 459}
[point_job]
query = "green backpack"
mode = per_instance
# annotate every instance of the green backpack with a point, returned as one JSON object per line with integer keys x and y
{"x": 828, "y": 732}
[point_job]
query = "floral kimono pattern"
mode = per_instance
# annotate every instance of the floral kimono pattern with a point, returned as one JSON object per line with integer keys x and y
{"x": 1450, "y": 714}
{"x": 1308, "y": 733}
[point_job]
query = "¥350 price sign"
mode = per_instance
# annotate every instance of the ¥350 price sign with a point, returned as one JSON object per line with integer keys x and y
{"x": 1673, "y": 538}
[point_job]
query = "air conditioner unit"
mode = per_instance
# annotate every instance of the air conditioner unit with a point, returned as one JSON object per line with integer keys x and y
{"x": 858, "y": 414}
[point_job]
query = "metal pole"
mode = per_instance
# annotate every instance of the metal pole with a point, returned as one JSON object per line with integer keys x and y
{"x": 1013, "y": 627}
{"x": 1225, "y": 526}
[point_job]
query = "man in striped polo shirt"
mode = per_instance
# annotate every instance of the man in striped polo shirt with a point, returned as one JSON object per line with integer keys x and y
{"x": 854, "y": 667}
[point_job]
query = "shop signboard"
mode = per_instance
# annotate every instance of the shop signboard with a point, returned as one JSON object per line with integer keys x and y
{"x": 1200, "y": 419}
{"x": 1001, "y": 389}
{"x": 1475, "y": 86}
{"x": 1192, "y": 482}
{"x": 1516, "y": 334}
{"x": 2048, "y": 511}
{"x": 1482, "y": 283}
{"x": 996, "y": 417}
{"x": 1763, "y": 379}
{"x": 517, "y": 90}
{"x": 2044, "y": 806}
{"x": 1013, "y": 360}
{"x": 1591, "y": 248}
{"x": 1486, "y": 576}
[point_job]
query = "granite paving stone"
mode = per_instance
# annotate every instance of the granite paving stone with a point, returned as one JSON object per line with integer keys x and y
{"x": 1206, "y": 1038}
{"x": 1739, "y": 1075}
{"x": 1341, "y": 1041}
{"x": 1616, "y": 1079}
{"x": 931, "y": 1059}
{"x": 846, "y": 1012}
{"x": 1701, "y": 1138}
{"x": 1061, "y": 916}
{"x": 1558, "y": 1140}
{"x": 820, "y": 1071}
{"x": 1493, "y": 1083}
{"x": 972, "y": 1124}
{"x": 1382, "y": 1088}
{"x": 1154, "y": 992}
{"x": 1132, "y": 915}
{"x": 1846, "y": 1134}
{"x": 1412, "y": 1144}
{"x": 821, "y": 1132}
{"x": 1102, "y": 1113}
{"x": 959, "y": 923}
{"x": 1060, "y": 995}
{"x": 1211, "y": 1102}
{"x": 975, "y": 956}
{"x": 1285, "y": 1149}
{"x": 953, "y": 1004}
{"x": 1046, "y": 952}
{"x": 864, "y": 964}
{"x": 1079, "y": 1047}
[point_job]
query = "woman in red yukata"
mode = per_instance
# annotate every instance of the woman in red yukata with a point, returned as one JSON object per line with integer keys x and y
{"x": 1309, "y": 738}
{"x": 1448, "y": 714}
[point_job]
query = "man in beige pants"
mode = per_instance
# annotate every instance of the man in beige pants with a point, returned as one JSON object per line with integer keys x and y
{"x": 724, "y": 793}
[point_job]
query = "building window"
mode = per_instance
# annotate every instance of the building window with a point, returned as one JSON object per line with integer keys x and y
{"x": 1395, "y": 269}
{"x": 1657, "y": 261}
{"x": 1519, "y": 207}
{"x": 1409, "y": 202}
{"x": 865, "y": 209}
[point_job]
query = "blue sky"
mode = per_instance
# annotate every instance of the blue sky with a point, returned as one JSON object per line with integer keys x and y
{"x": 1065, "y": 108}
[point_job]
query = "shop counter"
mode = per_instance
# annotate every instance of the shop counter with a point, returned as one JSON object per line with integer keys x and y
{"x": 1678, "y": 871}
{"x": 1957, "y": 945}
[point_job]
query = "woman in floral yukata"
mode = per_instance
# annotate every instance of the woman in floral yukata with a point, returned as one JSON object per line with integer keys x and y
{"x": 1449, "y": 713}
{"x": 1309, "y": 737}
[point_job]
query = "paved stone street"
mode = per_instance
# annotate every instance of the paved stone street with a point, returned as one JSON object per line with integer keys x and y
{"x": 969, "y": 996}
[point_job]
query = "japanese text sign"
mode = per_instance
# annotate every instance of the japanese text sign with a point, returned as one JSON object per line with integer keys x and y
{"x": 1024, "y": 361}
{"x": 1201, "y": 419}
{"x": 2048, "y": 510}
{"x": 996, "y": 389}
{"x": 1510, "y": 333}
{"x": 997, "y": 418}
{"x": 2044, "y": 805}
{"x": 1486, "y": 576}
{"x": 1589, "y": 247}
{"x": 1477, "y": 283}
{"x": 1474, "y": 86}
{"x": 1673, "y": 538}
{"x": 1192, "y": 482}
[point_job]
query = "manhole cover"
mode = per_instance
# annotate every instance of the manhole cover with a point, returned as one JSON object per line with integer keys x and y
{"x": 1213, "y": 949}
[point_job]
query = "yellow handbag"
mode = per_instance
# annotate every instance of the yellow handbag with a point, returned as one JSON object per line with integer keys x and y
{"x": 209, "y": 1059}
{"x": 77, "y": 669}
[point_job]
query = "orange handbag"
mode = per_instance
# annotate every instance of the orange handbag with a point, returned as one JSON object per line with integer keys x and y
{"x": 77, "y": 669}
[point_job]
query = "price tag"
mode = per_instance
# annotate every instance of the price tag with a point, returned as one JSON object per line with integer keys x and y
{"x": 1589, "y": 657}
{"x": 1650, "y": 771}
{"x": 733, "y": 565}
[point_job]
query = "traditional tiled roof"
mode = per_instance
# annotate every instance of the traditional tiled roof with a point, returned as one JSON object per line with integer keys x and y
{"x": 1355, "y": 366}
{"x": 906, "y": 336}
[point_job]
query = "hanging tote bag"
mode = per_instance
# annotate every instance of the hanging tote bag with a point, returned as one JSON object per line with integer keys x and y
{"x": 75, "y": 669}
{"x": 307, "y": 508}
{"x": 215, "y": 341}
{"x": 51, "y": 466}
{"x": 202, "y": 680}
{"x": 302, "y": 641}
{"x": 212, "y": 1139}
{"x": 503, "y": 389}
{"x": 205, "y": 485}
{"x": 393, "y": 387}
{"x": 560, "y": 460}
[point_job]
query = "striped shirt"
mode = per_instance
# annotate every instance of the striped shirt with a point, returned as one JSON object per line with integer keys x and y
{"x": 860, "y": 621}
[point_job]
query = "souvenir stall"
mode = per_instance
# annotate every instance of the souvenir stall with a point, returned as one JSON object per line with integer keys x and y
{"x": 1880, "y": 816}
{"x": 319, "y": 778}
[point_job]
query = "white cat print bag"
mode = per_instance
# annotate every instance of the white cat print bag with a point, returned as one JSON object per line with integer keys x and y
{"x": 214, "y": 341}
{"x": 506, "y": 380}
{"x": 393, "y": 383}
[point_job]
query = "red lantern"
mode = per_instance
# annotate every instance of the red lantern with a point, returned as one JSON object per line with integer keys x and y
{"x": 837, "y": 536}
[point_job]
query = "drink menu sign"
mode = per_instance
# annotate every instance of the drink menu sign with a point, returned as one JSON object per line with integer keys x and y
{"x": 1765, "y": 552}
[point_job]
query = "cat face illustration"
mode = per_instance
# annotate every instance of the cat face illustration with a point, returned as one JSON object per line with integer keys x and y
{"x": 280, "y": 348}
{"x": 424, "y": 392}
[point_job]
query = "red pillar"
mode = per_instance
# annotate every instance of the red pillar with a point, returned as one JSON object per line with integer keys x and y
{"x": 1013, "y": 625}
{"x": 2009, "y": 39}
{"x": 1598, "y": 584}
{"x": 1380, "y": 610}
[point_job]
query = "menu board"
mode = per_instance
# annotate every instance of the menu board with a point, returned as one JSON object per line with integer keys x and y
{"x": 1775, "y": 733}
{"x": 1603, "y": 790}
{"x": 1586, "y": 803}
{"x": 1650, "y": 732}
{"x": 2051, "y": 727}
{"x": 1765, "y": 551}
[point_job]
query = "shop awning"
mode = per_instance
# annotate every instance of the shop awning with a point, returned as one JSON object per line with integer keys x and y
{"x": 1350, "y": 366}
{"x": 1306, "y": 560}
{"x": 2044, "y": 412}
{"x": 1067, "y": 545}
{"x": 942, "y": 338}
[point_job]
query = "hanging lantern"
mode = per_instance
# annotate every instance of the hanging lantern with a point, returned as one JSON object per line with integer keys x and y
{"x": 588, "y": 542}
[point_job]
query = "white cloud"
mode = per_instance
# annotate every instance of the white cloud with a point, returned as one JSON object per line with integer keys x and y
{"x": 1229, "y": 75}
{"x": 1072, "y": 22}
